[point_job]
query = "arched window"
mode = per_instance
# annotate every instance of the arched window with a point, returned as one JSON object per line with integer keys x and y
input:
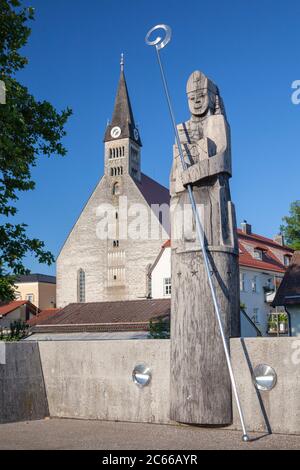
{"x": 110, "y": 153}
{"x": 114, "y": 153}
{"x": 81, "y": 286}
{"x": 111, "y": 172}
{"x": 123, "y": 151}
{"x": 116, "y": 189}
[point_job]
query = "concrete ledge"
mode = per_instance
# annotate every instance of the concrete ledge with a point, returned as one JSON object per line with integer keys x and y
{"x": 278, "y": 410}
{"x": 22, "y": 389}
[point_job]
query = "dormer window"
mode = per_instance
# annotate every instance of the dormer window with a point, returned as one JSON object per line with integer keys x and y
{"x": 258, "y": 253}
{"x": 287, "y": 260}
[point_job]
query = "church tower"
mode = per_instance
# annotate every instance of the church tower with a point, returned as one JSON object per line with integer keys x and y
{"x": 122, "y": 140}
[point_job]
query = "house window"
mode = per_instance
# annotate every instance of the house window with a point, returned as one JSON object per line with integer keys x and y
{"x": 30, "y": 297}
{"x": 258, "y": 254}
{"x": 287, "y": 260}
{"x": 167, "y": 286}
{"x": 242, "y": 282}
{"x": 81, "y": 286}
{"x": 254, "y": 284}
{"x": 255, "y": 315}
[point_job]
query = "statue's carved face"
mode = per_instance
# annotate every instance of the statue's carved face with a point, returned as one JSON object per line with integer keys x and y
{"x": 200, "y": 101}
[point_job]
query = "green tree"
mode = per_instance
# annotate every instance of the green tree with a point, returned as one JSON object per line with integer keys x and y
{"x": 28, "y": 129}
{"x": 291, "y": 227}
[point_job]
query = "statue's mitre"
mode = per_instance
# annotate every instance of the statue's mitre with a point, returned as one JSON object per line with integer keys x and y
{"x": 198, "y": 81}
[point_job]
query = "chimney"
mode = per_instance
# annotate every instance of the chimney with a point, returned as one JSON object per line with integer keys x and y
{"x": 246, "y": 228}
{"x": 279, "y": 239}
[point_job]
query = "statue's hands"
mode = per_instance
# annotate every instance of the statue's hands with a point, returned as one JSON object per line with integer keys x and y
{"x": 185, "y": 177}
{"x": 195, "y": 173}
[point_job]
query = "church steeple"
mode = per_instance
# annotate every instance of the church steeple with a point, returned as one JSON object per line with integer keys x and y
{"x": 122, "y": 125}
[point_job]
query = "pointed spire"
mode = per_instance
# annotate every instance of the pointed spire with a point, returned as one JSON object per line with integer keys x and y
{"x": 122, "y": 115}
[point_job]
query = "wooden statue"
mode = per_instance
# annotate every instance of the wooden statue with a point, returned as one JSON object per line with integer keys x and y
{"x": 200, "y": 383}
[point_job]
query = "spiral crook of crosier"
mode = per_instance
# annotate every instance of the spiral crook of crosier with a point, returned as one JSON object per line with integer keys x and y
{"x": 159, "y": 42}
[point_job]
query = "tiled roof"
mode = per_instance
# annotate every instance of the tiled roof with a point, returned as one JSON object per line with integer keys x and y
{"x": 269, "y": 260}
{"x": 37, "y": 278}
{"x": 108, "y": 316}
{"x": 43, "y": 315}
{"x": 122, "y": 115}
{"x": 153, "y": 192}
{"x": 289, "y": 290}
{"x": 8, "y": 307}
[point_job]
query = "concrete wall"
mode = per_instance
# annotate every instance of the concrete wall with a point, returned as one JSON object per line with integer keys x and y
{"x": 279, "y": 409}
{"x": 22, "y": 390}
{"x": 93, "y": 379}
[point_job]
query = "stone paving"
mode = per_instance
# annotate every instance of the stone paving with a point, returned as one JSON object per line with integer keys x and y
{"x": 60, "y": 434}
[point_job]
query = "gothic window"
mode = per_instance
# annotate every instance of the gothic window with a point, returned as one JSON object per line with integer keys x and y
{"x": 111, "y": 172}
{"x": 116, "y": 189}
{"x": 81, "y": 286}
{"x": 123, "y": 151}
{"x": 114, "y": 153}
{"x": 121, "y": 170}
{"x": 110, "y": 153}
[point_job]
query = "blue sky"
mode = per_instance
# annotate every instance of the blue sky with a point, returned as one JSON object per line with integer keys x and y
{"x": 249, "y": 48}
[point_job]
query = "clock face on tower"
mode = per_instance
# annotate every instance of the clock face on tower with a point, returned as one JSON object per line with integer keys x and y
{"x": 115, "y": 132}
{"x": 136, "y": 134}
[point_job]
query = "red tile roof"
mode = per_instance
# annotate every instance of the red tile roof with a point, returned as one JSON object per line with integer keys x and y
{"x": 269, "y": 261}
{"x": 43, "y": 315}
{"x": 288, "y": 292}
{"x": 6, "y": 308}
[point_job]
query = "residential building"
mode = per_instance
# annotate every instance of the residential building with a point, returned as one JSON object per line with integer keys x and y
{"x": 92, "y": 268}
{"x": 10, "y": 312}
{"x": 262, "y": 262}
{"x": 288, "y": 294}
{"x": 39, "y": 289}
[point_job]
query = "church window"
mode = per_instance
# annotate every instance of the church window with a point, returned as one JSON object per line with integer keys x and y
{"x": 114, "y": 153}
{"x": 115, "y": 277}
{"x": 117, "y": 215}
{"x": 116, "y": 243}
{"x": 110, "y": 153}
{"x": 116, "y": 189}
{"x": 121, "y": 170}
{"x": 123, "y": 151}
{"x": 81, "y": 286}
{"x": 111, "y": 172}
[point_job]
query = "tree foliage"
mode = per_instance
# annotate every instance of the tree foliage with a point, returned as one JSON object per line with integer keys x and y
{"x": 291, "y": 227}
{"x": 29, "y": 128}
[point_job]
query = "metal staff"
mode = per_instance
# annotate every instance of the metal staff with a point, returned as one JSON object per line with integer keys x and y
{"x": 160, "y": 43}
